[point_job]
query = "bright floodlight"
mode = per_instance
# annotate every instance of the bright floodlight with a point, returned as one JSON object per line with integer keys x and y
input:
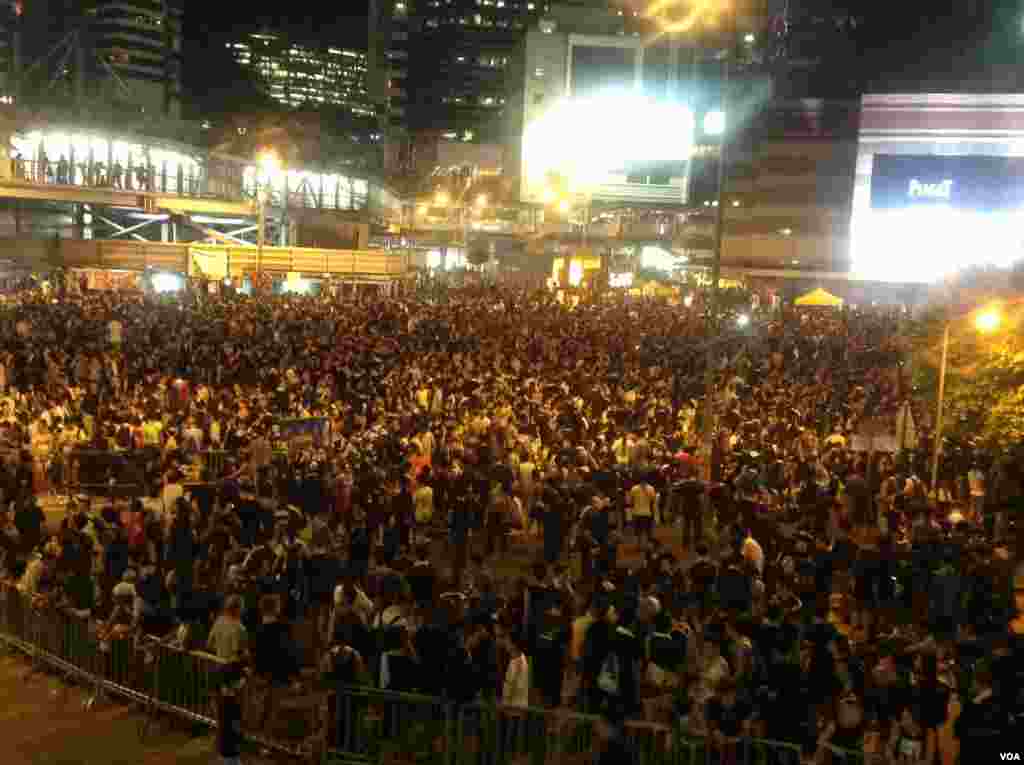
{"x": 748, "y": 38}
{"x": 714, "y": 123}
{"x": 585, "y": 140}
{"x": 163, "y": 282}
{"x": 988, "y": 320}
{"x": 929, "y": 244}
{"x": 743, "y": 320}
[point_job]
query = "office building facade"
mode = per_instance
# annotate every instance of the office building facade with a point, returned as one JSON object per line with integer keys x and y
{"x": 137, "y": 49}
{"x": 300, "y": 75}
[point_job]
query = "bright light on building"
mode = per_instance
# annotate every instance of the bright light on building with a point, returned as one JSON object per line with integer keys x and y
{"x": 714, "y": 123}
{"x": 749, "y": 38}
{"x": 481, "y": 201}
{"x": 298, "y": 286}
{"x": 657, "y": 258}
{"x": 620, "y": 127}
{"x": 575, "y": 273}
{"x": 441, "y": 198}
{"x": 688, "y": 301}
{"x": 164, "y": 282}
{"x": 620, "y": 281}
{"x": 742, "y": 320}
{"x": 929, "y": 243}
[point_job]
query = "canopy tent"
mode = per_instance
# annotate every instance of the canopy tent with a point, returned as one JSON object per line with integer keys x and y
{"x": 820, "y": 297}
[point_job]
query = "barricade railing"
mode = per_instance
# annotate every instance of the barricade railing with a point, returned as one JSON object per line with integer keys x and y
{"x": 353, "y": 723}
{"x": 158, "y": 676}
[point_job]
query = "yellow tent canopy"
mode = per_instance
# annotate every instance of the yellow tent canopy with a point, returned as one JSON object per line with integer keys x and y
{"x": 820, "y": 297}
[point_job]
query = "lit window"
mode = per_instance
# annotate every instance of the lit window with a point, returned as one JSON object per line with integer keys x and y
{"x": 538, "y": 72}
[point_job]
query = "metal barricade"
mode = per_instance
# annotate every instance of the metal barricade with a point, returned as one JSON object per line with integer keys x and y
{"x": 385, "y": 726}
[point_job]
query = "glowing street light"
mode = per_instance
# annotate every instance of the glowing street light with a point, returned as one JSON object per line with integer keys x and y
{"x": 481, "y": 201}
{"x": 749, "y": 38}
{"x": 441, "y": 198}
{"x": 988, "y": 320}
{"x": 269, "y": 162}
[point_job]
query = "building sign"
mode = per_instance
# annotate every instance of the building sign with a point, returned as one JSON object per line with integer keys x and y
{"x": 978, "y": 184}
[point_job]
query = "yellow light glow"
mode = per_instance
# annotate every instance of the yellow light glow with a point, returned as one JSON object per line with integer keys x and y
{"x": 548, "y": 195}
{"x": 422, "y": 209}
{"x": 481, "y": 201}
{"x": 441, "y": 198}
{"x": 988, "y": 320}
{"x": 563, "y": 206}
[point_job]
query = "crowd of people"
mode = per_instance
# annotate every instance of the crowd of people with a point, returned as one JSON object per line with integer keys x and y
{"x": 295, "y": 482}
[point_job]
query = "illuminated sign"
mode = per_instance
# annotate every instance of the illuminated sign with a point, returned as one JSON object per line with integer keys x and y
{"x": 969, "y": 183}
{"x": 919, "y": 190}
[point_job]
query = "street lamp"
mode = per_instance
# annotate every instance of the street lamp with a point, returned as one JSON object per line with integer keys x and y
{"x": 987, "y": 321}
{"x": 713, "y": 125}
{"x": 268, "y": 164}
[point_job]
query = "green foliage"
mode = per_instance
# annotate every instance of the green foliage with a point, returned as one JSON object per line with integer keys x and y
{"x": 984, "y": 400}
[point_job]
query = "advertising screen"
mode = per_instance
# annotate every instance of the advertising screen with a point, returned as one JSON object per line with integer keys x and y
{"x": 929, "y": 216}
{"x": 977, "y": 184}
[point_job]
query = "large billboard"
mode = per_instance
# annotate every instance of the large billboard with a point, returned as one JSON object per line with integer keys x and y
{"x": 939, "y": 185}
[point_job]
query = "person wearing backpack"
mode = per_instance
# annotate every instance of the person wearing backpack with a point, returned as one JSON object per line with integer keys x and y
{"x": 613, "y": 664}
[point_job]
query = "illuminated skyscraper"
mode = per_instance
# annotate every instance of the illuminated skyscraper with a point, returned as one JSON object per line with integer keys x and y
{"x": 297, "y": 74}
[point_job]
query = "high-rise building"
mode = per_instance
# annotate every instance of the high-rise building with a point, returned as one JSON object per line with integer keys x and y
{"x": 138, "y": 44}
{"x": 298, "y": 74}
{"x": 456, "y": 56}
{"x": 9, "y": 17}
{"x": 125, "y": 53}
{"x": 387, "y": 61}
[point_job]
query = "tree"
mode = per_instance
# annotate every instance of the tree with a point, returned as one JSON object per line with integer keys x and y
{"x": 984, "y": 397}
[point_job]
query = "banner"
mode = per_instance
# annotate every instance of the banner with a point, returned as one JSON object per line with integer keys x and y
{"x": 309, "y": 432}
{"x": 208, "y": 265}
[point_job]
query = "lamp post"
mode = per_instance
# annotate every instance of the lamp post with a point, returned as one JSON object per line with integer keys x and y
{"x": 707, "y": 14}
{"x": 268, "y": 164}
{"x": 989, "y": 320}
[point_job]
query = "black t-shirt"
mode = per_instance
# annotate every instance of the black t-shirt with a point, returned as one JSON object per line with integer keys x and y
{"x": 549, "y": 648}
{"x": 728, "y": 718}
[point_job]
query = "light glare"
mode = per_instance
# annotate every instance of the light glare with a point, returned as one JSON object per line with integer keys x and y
{"x": 714, "y": 123}
{"x": 164, "y": 282}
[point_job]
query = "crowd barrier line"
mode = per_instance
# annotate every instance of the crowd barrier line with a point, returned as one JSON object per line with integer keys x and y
{"x": 367, "y": 725}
